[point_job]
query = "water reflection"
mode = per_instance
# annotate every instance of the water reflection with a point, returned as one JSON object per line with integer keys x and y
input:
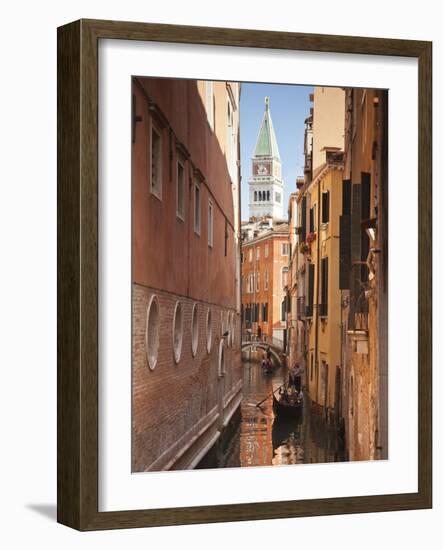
{"x": 261, "y": 439}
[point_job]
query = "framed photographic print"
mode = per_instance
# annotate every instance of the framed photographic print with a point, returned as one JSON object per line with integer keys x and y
{"x": 244, "y": 275}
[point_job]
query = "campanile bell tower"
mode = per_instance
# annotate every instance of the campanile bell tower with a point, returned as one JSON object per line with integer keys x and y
{"x": 266, "y": 184}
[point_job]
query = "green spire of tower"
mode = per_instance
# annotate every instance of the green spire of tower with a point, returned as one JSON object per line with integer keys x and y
{"x": 266, "y": 145}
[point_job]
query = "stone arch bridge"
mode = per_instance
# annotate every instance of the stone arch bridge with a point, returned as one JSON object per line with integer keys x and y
{"x": 275, "y": 347}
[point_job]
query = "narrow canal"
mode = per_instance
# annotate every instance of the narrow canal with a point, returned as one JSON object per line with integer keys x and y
{"x": 258, "y": 438}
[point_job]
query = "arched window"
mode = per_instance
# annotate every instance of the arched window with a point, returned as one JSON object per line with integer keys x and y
{"x": 194, "y": 330}
{"x": 259, "y": 195}
{"x": 177, "y": 331}
{"x": 268, "y": 196}
{"x": 152, "y": 333}
{"x": 255, "y": 196}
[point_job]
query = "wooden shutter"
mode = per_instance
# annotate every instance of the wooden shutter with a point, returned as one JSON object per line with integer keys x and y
{"x": 345, "y": 252}
{"x": 365, "y": 215}
{"x": 325, "y": 207}
{"x": 346, "y": 197}
{"x": 310, "y": 289}
{"x": 303, "y": 219}
{"x": 324, "y": 286}
{"x": 354, "y": 282}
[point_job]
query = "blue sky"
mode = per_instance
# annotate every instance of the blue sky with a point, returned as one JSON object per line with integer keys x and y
{"x": 289, "y": 108}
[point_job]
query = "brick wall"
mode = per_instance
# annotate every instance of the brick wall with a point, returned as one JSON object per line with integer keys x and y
{"x": 173, "y": 402}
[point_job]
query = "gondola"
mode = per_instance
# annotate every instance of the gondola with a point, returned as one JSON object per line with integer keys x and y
{"x": 289, "y": 408}
{"x": 267, "y": 368}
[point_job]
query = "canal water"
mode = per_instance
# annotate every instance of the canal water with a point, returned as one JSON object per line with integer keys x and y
{"x": 257, "y": 438}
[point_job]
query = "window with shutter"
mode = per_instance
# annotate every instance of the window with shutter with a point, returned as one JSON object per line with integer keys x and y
{"x": 324, "y": 287}
{"x": 325, "y": 207}
{"x": 309, "y": 306}
{"x": 303, "y": 219}
{"x": 345, "y": 252}
{"x": 311, "y": 220}
{"x": 365, "y": 215}
{"x": 346, "y": 197}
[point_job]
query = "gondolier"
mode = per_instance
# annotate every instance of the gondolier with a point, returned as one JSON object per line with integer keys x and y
{"x": 295, "y": 373}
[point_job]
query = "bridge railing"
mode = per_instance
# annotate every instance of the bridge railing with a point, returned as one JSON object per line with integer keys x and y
{"x": 263, "y": 338}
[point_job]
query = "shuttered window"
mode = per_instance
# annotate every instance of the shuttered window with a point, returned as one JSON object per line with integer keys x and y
{"x": 324, "y": 287}
{"x": 312, "y": 220}
{"x": 283, "y": 310}
{"x": 309, "y": 306}
{"x": 346, "y": 197}
{"x": 303, "y": 219}
{"x": 365, "y": 215}
{"x": 325, "y": 207}
{"x": 345, "y": 252}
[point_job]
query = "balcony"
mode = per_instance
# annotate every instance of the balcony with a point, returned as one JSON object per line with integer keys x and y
{"x": 335, "y": 157}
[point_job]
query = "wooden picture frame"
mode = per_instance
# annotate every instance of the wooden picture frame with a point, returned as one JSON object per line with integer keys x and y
{"x": 77, "y": 458}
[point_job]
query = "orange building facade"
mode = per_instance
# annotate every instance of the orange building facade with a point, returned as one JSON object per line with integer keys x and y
{"x": 264, "y": 279}
{"x": 186, "y": 272}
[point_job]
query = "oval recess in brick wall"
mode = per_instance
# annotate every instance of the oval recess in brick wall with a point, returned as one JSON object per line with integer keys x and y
{"x": 194, "y": 329}
{"x": 209, "y": 330}
{"x": 152, "y": 333}
{"x": 177, "y": 331}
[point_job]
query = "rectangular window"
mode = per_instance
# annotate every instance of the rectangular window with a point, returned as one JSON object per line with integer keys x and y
{"x": 283, "y": 310}
{"x": 210, "y": 103}
{"x": 180, "y": 191}
{"x": 255, "y": 313}
{"x": 250, "y": 254}
{"x": 365, "y": 215}
{"x": 310, "y": 304}
{"x": 230, "y": 142}
{"x": 325, "y": 207}
{"x": 324, "y": 288}
{"x": 264, "y": 312}
{"x": 303, "y": 220}
{"x": 312, "y": 219}
{"x": 345, "y": 252}
{"x": 266, "y": 280}
{"x": 266, "y": 250}
{"x": 197, "y": 209}
{"x": 346, "y": 197}
{"x": 257, "y": 253}
{"x": 257, "y": 282}
{"x": 284, "y": 277}
{"x": 284, "y": 249}
{"x": 156, "y": 162}
{"x": 210, "y": 224}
